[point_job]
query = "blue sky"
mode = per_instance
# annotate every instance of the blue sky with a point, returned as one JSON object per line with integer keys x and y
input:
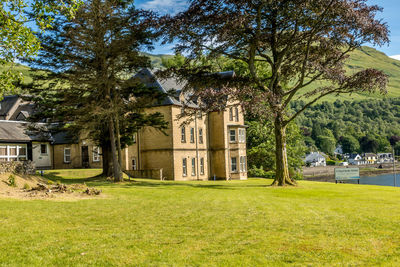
{"x": 391, "y": 15}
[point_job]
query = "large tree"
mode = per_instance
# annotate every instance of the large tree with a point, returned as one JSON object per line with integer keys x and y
{"x": 87, "y": 86}
{"x": 17, "y": 38}
{"x": 299, "y": 42}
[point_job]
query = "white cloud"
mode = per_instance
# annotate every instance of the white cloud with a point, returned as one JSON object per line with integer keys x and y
{"x": 165, "y": 6}
{"x": 396, "y": 57}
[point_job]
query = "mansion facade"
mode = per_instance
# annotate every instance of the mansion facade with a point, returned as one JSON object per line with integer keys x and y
{"x": 208, "y": 146}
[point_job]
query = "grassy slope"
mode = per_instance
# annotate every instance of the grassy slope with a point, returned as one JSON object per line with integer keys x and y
{"x": 364, "y": 58}
{"x": 246, "y": 223}
{"x": 368, "y": 57}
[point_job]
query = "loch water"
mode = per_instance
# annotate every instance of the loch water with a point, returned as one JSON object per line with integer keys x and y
{"x": 385, "y": 180}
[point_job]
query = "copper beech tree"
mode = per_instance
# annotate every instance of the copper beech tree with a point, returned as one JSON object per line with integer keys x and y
{"x": 284, "y": 48}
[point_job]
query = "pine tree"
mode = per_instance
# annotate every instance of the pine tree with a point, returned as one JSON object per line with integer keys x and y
{"x": 87, "y": 86}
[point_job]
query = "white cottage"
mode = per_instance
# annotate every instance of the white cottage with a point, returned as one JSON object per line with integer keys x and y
{"x": 315, "y": 159}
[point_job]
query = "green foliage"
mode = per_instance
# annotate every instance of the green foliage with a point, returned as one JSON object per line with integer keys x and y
{"x": 330, "y": 162}
{"x": 349, "y": 144}
{"x": 17, "y": 39}
{"x": 359, "y": 126}
{"x": 261, "y": 147}
{"x": 255, "y": 171}
{"x": 26, "y": 186}
{"x": 11, "y": 181}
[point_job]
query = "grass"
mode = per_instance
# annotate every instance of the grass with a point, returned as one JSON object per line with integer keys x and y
{"x": 164, "y": 223}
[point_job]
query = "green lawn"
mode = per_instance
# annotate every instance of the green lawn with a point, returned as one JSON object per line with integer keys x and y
{"x": 220, "y": 223}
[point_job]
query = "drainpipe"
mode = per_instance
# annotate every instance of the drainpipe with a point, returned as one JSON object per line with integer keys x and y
{"x": 197, "y": 145}
{"x": 139, "y": 158}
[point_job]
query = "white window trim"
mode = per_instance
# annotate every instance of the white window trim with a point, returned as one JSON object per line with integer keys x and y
{"x": 201, "y": 136}
{"x": 236, "y": 114}
{"x": 201, "y": 166}
{"x": 96, "y": 155}
{"x": 193, "y": 167}
{"x": 17, "y": 157}
{"x": 236, "y": 167}
{"x": 65, "y": 158}
{"x": 134, "y": 164}
{"x": 184, "y": 167}
{"x": 183, "y": 134}
{"x": 192, "y": 135}
{"x": 47, "y": 150}
{"x": 230, "y": 135}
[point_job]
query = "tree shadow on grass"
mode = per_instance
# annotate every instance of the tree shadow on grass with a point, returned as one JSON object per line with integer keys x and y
{"x": 191, "y": 184}
{"x": 100, "y": 180}
{"x": 56, "y": 177}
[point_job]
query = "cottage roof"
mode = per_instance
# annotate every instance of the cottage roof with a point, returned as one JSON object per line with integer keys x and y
{"x": 7, "y": 104}
{"x": 25, "y": 109}
{"x": 61, "y": 138}
{"x": 314, "y": 156}
{"x": 17, "y": 131}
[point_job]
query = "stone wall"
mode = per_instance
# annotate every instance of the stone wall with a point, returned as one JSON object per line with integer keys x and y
{"x": 19, "y": 167}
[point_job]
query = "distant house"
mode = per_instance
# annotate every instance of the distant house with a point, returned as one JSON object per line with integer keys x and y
{"x": 315, "y": 159}
{"x": 384, "y": 157}
{"x": 370, "y": 158}
{"x": 356, "y": 159}
{"x": 338, "y": 150}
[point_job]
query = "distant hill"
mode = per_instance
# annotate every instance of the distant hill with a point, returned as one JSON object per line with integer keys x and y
{"x": 366, "y": 57}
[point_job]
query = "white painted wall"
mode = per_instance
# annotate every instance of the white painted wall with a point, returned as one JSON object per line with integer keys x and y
{"x": 41, "y": 160}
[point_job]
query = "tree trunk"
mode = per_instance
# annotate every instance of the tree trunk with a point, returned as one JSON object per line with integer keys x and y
{"x": 282, "y": 176}
{"x": 107, "y": 161}
{"x": 118, "y": 141}
{"x": 116, "y": 168}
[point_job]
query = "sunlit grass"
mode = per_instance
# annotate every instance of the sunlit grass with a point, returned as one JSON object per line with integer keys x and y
{"x": 235, "y": 223}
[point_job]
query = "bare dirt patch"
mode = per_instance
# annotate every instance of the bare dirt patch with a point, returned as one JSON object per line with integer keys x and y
{"x": 36, "y": 187}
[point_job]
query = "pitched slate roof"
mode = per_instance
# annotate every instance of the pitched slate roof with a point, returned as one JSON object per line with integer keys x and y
{"x": 150, "y": 80}
{"x": 17, "y": 131}
{"x": 25, "y": 109}
{"x": 7, "y": 104}
{"x": 167, "y": 85}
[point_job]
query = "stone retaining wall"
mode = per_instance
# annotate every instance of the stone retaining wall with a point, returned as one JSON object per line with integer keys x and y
{"x": 19, "y": 167}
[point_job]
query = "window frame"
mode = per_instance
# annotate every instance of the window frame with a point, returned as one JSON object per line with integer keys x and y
{"x": 183, "y": 134}
{"x": 65, "y": 155}
{"x": 96, "y": 154}
{"x": 17, "y": 156}
{"x": 234, "y": 163}
{"x": 192, "y": 135}
{"x": 184, "y": 167}
{"x": 236, "y": 114}
{"x": 200, "y": 135}
{"x": 230, "y": 136}
{"x": 243, "y": 164}
{"x": 201, "y": 166}
{"x": 230, "y": 114}
{"x": 134, "y": 164}
{"x": 193, "y": 167}
{"x": 242, "y": 135}
{"x": 41, "y": 152}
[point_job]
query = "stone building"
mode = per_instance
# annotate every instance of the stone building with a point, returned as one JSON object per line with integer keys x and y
{"x": 205, "y": 147}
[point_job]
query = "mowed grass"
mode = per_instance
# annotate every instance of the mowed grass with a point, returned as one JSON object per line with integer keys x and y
{"x": 235, "y": 223}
